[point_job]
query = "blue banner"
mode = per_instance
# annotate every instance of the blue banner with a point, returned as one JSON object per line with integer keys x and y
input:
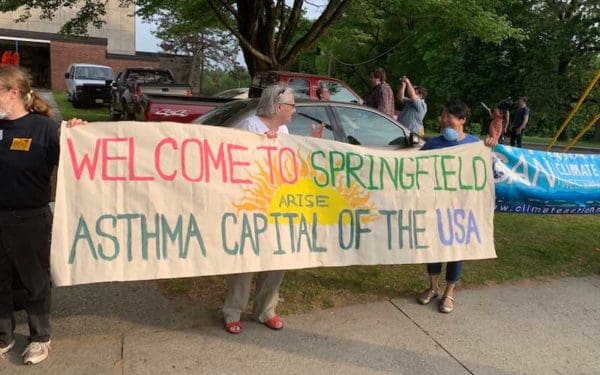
{"x": 538, "y": 182}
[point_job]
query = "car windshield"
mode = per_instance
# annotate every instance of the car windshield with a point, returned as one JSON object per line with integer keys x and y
{"x": 161, "y": 77}
{"x": 221, "y": 115}
{"x": 339, "y": 93}
{"x": 94, "y": 72}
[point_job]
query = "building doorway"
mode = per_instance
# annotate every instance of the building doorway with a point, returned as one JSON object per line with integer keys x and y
{"x": 35, "y": 58}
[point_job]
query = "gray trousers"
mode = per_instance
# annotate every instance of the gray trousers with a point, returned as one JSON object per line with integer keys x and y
{"x": 266, "y": 295}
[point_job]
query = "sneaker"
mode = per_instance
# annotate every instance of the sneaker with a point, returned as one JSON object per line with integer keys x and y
{"x": 6, "y": 349}
{"x": 36, "y": 352}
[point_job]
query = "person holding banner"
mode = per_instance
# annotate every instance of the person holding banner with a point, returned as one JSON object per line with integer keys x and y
{"x": 29, "y": 150}
{"x": 274, "y": 110}
{"x": 454, "y": 116}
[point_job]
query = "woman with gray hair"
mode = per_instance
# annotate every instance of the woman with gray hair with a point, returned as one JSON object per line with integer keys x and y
{"x": 274, "y": 110}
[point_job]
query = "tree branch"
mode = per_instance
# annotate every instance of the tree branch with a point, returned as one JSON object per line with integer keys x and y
{"x": 289, "y": 29}
{"x": 269, "y": 27}
{"x": 243, "y": 41}
{"x": 229, "y": 8}
{"x": 330, "y": 14}
{"x": 281, "y": 8}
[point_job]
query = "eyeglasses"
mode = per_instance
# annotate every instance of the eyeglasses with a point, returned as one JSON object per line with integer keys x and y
{"x": 290, "y": 104}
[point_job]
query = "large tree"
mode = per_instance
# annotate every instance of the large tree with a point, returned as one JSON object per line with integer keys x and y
{"x": 266, "y": 29}
{"x": 209, "y": 47}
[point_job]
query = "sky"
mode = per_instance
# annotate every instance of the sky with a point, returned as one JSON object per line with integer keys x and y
{"x": 145, "y": 41}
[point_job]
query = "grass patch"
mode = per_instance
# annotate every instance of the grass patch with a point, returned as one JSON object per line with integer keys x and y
{"x": 96, "y": 113}
{"x": 528, "y": 247}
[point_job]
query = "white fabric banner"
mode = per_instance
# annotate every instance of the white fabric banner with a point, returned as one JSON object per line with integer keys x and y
{"x": 142, "y": 201}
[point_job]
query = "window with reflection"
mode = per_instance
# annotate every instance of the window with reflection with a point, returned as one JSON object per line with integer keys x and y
{"x": 339, "y": 93}
{"x": 305, "y": 116}
{"x": 301, "y": 87}
{"x": 369, "y": 128}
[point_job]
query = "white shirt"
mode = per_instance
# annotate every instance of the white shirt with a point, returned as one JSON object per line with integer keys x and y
{"x": 255, "y": 124}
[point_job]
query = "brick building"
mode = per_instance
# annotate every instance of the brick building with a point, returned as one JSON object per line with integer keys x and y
{"x": 47, "y": 54}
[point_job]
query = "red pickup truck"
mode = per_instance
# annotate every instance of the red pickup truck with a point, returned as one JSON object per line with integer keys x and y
{"x": 188, "y": 108}
{"x": 179, "y": 108}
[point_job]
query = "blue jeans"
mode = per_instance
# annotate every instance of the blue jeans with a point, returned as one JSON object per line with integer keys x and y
{"x": 453, "y": 270}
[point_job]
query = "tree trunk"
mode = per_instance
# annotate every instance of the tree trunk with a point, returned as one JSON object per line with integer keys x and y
{"x": 194, "y": 68}
{"x": 201, "y": 79}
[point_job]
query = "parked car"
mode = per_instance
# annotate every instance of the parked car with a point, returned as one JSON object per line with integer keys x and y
{"x": 237, "y": 93}
{"x": 130, "y": 90}
{"x": 88, "y": 84}
{"x": 344, "y": 122}
{"x": 155, "y": 107}
{"x": 305, "y": 85}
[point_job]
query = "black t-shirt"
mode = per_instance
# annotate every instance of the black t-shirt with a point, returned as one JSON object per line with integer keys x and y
{"x": 29, "y": 148}
{"x": 518, "y": 116}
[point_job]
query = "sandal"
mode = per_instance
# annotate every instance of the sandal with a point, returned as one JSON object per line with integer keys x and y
{"x": 427, "y": 296}
{"x": 274, "y": 323}
{"x": 234, "y": 327}
{"x": 445, "y": 307}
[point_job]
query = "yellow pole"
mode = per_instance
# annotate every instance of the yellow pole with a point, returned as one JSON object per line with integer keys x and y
{"x": 572, "y": 113}
{"x": 581, "y": 133}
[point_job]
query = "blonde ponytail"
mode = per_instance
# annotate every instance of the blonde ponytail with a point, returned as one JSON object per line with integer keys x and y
{"x": 14, "y": 77}
{"x": 38, "y": 105}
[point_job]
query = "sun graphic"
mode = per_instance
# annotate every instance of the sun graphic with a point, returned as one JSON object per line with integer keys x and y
{"x": 304, "y": 197}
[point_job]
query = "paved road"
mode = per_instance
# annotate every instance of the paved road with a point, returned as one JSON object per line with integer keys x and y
{"x": 49, "y": 98}
{"x": 129, "y": 328}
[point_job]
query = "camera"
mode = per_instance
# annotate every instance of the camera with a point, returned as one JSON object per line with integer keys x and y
{"x": 506, "y": 104}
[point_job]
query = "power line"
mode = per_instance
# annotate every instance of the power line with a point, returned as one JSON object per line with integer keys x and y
{"x": 378, "y": 56}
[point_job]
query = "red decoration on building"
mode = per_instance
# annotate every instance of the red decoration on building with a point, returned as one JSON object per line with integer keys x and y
{"x": 10, "y": 58}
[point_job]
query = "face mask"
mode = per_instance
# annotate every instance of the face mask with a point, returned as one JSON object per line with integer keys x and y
{"x": 4, "y": 113}
{"x": 450, "y": 134}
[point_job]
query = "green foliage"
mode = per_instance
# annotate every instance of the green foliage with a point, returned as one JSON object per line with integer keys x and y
{"x": 475, "y": 50}
{"x": 219, "y": 80}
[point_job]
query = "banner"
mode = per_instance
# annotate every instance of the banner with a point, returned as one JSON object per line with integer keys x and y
{"x": 537, "y": 182}
{"x": 161, "y": 200}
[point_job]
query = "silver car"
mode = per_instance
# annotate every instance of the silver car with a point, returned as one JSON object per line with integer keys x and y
{"x": 344, "y": 122}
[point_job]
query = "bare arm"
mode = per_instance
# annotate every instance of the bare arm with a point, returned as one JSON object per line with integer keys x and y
{"x": 411, "y": 90}
{"x": 401, "y": 92}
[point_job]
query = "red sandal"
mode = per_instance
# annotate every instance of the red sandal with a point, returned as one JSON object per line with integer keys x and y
{"x": 234, "y": 327}
{"x": 275, "y": 323}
